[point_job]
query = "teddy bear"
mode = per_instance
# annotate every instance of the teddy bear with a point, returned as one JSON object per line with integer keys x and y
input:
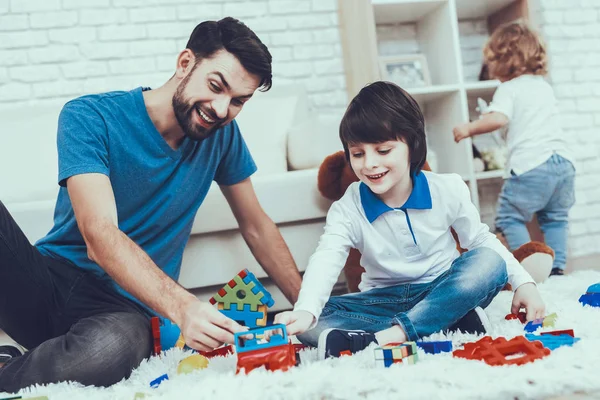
{"x": 335, "y": 175}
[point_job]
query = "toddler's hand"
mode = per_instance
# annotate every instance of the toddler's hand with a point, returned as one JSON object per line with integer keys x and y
{"x": 527, "y": 296}
{"x": 461, "y": 132}
{"x": 296, "y": 322}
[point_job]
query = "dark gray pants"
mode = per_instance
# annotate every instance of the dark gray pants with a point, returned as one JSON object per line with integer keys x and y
{"x": 76, "y": 327}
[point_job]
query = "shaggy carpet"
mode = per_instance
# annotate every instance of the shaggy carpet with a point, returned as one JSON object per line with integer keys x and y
{"x": 565, "y": 370}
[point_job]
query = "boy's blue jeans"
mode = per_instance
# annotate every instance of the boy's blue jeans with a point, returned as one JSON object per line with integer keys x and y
{"x": 420, "y": 309}
{"x": 547, "y": 191}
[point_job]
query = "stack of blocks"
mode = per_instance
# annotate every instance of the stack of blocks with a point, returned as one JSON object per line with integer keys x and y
{"x": 244, "y": 299}
{"x": 395, "y": 353}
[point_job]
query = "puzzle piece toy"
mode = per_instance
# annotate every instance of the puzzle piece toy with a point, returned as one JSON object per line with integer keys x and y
{"x": 278, "y": 353}
{"x": 553, "y": 342}
{"x": 516, "y": 351}
{"x": 156, "y": 383}
{"x": 246, "y": 316}
{"x": 521, "y": 316}
{"x": 396, "y": 353}
{"x": 244, "y": 288}
{"x": 558, "y": 333}
{"x": 591, "y": 296}
{"x": 545, "y": 322}
{"x": 436, "y": 347}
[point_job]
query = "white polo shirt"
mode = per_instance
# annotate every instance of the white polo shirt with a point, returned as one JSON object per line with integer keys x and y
{"x": 412, "y": 244}
{"x": 534, "y": 131}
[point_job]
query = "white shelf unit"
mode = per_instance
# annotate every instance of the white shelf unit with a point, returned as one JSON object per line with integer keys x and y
{"x": 450, "y": 99}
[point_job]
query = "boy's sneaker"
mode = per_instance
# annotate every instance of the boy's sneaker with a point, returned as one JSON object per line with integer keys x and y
{"x": 336, "y": 342}
{"x": 557, "y": 271}
{"x": 10, "y": 351}
{"x": 476, "y": 321}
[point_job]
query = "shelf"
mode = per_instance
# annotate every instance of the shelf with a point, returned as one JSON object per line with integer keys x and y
{"x": 430, "y": 93}
{"x": 475, "y": 9}
{"x": 482, "y": 88}
{"x": 403, "y": 11}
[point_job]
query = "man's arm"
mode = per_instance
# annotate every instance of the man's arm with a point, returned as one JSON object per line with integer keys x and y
{"x": 263, "y": 238}
{"x": 95, "y": 210}
{"x": 487, "y": 123}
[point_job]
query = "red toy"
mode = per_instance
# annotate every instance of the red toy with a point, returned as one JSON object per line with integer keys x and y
{"x": 503, "y": 352}
{"x": 275, "y": 354}
{"x": 521, "y": 316}
{"x": 220, "y": 352}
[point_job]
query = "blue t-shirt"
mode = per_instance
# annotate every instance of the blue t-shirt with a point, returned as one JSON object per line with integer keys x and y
{"x": 157, "y": 190}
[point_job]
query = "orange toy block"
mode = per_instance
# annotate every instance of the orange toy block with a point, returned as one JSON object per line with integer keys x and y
{"x": 497, "y": 352}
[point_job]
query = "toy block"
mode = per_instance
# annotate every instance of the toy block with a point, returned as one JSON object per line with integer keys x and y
{"x": 156, "y": 383}
{"x": 219, "y": 352}
{"x": 436, "y": 347}
{"x": 521, "y": 316}
{"x": 244, "y": 288}
{"x": 245, "y": 316}
{"x": 553, "y": 342}
{"x": 549, "y": 320}
{"x": 155, "y": 324}
{"x": 590, "y": 299}
{"x": 394, "y": 353}
{"x": 276, "y": 353}
{"x": 192, "y": 363}
{"x": 558, "y": 333}
{"x": 516, "y": 351}
{"x": 595, "y": 288}
{"x": 532, "y": 326}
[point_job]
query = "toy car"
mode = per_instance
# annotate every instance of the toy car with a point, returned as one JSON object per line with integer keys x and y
{"x": 254, "y": 350}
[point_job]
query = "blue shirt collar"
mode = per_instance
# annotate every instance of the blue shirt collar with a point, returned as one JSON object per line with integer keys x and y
{"x": 419, "y": 199}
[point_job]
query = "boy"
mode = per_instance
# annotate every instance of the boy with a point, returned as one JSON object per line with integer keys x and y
{"x": 399, "y": 218}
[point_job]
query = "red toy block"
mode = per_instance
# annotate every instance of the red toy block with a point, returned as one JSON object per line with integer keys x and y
{"x": 220, "y": 352}
{"x": 497, "y": 352}
{"x": 521, "y": 316}
{"x": 569, "y": 332}
{"x": 155, "y": 324}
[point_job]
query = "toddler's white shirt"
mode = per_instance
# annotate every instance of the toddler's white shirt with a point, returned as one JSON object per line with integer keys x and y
{"x": 411, "y": 246}
{"x": 534, "y": 131}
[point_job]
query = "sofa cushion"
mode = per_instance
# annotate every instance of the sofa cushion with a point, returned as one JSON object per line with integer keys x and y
{"x": 312, "y": 140}
{"x": 265, "y": 121}
{"x": 28, "y": 156}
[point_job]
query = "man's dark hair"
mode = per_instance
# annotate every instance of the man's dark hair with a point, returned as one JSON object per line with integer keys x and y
{"x": 233, "y": 36}
{"x": 383, "y": 111}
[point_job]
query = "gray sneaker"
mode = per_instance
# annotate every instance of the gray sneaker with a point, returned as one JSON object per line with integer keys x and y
{"x": 476, "y": 321}
{"x": 10, "y": 351}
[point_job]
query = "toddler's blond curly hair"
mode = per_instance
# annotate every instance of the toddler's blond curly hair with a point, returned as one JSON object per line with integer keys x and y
{"x": 514, "y": 50}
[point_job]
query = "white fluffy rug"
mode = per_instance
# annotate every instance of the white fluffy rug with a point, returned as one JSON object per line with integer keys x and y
{"x": 566, "y": 370}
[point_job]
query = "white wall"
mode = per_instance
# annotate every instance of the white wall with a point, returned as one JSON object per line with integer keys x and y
{"x": 60, "y": 49}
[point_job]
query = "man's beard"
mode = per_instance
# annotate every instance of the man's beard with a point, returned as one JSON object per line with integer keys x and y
{"x": 184, "y": 112}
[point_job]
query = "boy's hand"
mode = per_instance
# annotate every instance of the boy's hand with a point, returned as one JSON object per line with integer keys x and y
{"x": 296, "y": 322}
{"x": 461, "y": 132}
{"x": 527, "y": 296}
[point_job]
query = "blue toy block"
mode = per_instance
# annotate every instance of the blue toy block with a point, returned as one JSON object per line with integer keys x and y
{"x": 590, "y": 299}
{"x": 243, "y": 344}
{"x": 169, "y": 333}
{"x": 532, "y": 326}
{"x": 246, "y": 316}
{"x": 436, "y": 347}
{"x": 155, "y": 383}
{"x": 594, "y": 288}
{"x": 553, "y": 342}
{"x": 267, "y": 299}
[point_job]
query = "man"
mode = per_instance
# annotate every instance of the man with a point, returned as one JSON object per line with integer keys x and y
{"x": 133, "y": 168}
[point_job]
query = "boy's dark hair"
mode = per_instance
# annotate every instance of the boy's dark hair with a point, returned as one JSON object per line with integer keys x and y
{"x": 383, "y": 111}
{"x": 232, "y": 35}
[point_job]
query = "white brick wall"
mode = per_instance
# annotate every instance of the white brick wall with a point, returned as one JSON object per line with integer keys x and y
{"x": 572, "y": 33}
{"x": 58, "y": 49}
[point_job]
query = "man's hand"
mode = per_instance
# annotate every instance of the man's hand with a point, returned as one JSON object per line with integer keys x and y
{"x": 461, "y": 132}
{"x": 296, "y": 322}
{"x": 527, "y": 296}
{"x": 205, "y": 328}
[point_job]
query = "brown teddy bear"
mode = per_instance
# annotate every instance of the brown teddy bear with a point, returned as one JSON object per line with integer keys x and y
{"x": 335, "y": 175}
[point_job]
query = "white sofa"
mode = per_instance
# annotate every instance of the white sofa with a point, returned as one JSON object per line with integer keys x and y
{"x": 288, "y": 144}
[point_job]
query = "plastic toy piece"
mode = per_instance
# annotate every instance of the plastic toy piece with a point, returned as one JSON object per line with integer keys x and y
{"x": 553, "y": 342}
{"x": 590, "y": 299}
{"x": 558, "y": 333}
{"x": 595, "y": 288}
{"x": 156, "y": 383}
{"x": 276, "y": 354}
{"x": 220, "y": 352}
{"x": 521, "y": 316}
{"x": 549, "y": 320}
{"x": 516, "y": 351}
{"x": 545, "y": 322}
{"x": 436, "y": 347}
{"x": 155, "y": 324}
{"x": 192, "y": 363}
{"x": 396, "y": 353}
{"x": 243, "y": 289}
{"x": 244, "y": 314}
